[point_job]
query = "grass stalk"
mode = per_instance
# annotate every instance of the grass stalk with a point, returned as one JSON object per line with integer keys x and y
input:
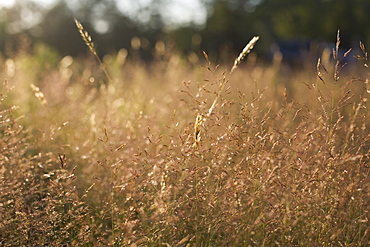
{"x": 90, "y": 44}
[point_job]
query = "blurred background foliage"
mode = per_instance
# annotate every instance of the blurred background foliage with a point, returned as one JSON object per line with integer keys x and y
{"x": 222, "y": 28}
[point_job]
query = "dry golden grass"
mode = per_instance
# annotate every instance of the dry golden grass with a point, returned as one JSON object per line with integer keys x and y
{"x": 90, "y": 44}
{"x": 279, "y": 161}
{"x": 247, "y": 49}
{"x": 86, "y": 38}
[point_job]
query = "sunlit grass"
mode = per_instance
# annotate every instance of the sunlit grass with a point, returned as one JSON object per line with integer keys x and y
{"x": 282, "y": 160}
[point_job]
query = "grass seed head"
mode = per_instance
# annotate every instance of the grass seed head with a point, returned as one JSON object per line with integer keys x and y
{"x": 245, "y": 51}
{"x": 39, "y": 95}
{"x": 86, "y": 37}
{"x": 197, "y": 124}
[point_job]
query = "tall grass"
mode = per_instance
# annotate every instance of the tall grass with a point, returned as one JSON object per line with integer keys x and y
{"x": 177, "y": 155}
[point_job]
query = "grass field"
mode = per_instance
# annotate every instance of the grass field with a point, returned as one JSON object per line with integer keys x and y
{"x": 121, "y": 153}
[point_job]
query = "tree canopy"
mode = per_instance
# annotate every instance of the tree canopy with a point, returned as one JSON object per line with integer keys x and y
{"x": 228, "y": 24}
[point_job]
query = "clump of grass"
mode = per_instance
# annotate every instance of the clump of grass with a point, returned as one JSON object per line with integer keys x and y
{"x": 201, "y": 119}
{"x": 130, "y": 166}
{"x": 38, "y": 206}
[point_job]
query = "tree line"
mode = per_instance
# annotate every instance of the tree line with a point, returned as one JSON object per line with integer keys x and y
{"x": 228, "y": 26}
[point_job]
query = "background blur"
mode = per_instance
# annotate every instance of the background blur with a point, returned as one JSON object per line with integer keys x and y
{"x": 219, "y": 27}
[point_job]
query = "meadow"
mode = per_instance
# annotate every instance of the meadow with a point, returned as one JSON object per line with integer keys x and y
{"x": 115, "y": 152}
